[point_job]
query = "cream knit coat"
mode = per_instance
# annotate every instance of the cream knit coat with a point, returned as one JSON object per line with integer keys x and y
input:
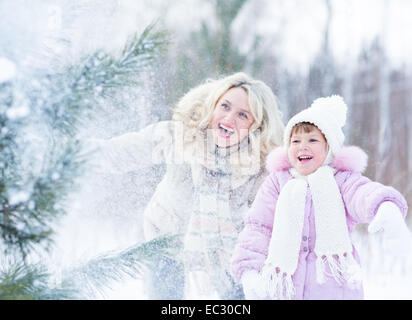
{"x": 170, "y": 208}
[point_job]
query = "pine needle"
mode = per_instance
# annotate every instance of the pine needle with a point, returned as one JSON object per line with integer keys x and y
{"x": 101, "y": 272}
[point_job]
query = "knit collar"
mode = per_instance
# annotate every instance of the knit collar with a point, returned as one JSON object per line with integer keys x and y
{"x": 295, "y": 174}
{"x": 222, "y": 152}
{"x": 239, "y": 160}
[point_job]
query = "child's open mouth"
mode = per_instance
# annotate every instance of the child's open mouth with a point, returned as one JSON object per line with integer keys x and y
{"x": 304, "y": 159}
{"x": 225, "y": 131}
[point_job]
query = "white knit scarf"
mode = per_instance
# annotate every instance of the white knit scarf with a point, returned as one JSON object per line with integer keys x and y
{"x": 333, "y": 246}
{"x": 212, "y": 232}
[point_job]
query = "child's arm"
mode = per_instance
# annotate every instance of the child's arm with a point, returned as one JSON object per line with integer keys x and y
{"x": 362, "y": 197}
{"x": 253, "y": 241}
{"x": 131, "y": 151}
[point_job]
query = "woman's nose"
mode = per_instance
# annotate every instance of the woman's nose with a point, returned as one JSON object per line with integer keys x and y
{"x": 230, "y": 118}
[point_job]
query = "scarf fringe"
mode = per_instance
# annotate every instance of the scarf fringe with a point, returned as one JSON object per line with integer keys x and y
{"x": 278, "y": 285}
{"x": 342, "y": 268}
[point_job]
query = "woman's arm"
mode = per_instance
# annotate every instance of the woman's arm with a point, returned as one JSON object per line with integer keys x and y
{"x": 131, "y": 151}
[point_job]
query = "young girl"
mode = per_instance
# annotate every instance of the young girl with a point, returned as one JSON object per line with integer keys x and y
{"x": 214, "y": 149}
{"x": 296, "y": 240}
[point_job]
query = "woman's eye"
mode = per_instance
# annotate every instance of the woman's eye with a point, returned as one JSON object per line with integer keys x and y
{"x": 243, "y": 115}
{"x": 225, "y": 106}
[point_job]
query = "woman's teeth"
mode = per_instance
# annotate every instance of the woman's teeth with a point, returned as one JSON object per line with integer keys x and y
{"x": 226, "y": 130}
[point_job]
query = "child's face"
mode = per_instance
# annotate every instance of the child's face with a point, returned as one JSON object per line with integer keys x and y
{"x": 307, "y": 151}
{"x": 231, "y": 118}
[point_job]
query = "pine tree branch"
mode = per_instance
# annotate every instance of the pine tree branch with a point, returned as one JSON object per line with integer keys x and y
{"x": 32, "y": 201}
{"x": 20, "y": 281}
{"x": 28, "y": 223}
{"x": 99, "y": 273}
{"x": 78, "y": 87}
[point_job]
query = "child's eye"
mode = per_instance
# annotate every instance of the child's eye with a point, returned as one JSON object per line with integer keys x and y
{"x": 313, "y": 140}
{"x": 295, "y": 141}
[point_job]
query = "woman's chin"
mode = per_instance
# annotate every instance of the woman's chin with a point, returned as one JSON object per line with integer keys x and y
{"x": 225, "y": 142}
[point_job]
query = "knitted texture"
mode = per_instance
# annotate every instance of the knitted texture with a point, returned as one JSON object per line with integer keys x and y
{"x": 329, "y": 115}
{"x": 212, "y": 230}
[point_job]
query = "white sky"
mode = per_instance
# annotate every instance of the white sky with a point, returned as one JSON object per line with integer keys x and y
{"x": 354, "y": 24}
{"x": 371, "y": 17}
{"x": 292, "y": 28}
{"x": 295, "y": 27}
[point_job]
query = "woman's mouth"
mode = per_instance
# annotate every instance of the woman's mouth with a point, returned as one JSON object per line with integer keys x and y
{"x": 225, "y": 131}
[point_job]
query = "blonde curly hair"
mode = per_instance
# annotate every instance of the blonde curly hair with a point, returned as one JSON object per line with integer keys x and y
{"x": 196, "y": 107}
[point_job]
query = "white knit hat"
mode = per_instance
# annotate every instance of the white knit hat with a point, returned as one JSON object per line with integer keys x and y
{"x": 329, "y": 115}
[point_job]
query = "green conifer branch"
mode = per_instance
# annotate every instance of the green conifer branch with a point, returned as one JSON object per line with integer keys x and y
{"x": 20, "y": 281}
{"x": 63, "y": 98}
{"x": 100, "y": 272}
{"x": 28, "y": 223}
{"x": 79, "y": 85}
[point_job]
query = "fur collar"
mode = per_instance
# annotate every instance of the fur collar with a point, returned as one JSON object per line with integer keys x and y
{"x": 349, "y": 158}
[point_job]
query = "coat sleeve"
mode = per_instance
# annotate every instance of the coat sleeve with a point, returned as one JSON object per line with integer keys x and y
{"x": 253, "y": 241}
{"x": 362, "y": 197}
{"x": 131, "y": 151}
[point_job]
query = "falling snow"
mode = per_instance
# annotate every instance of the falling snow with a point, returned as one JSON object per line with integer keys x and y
{"x": 106, "y": 213}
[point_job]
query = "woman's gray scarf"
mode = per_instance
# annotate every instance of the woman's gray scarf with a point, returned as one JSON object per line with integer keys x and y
{"x": 212, "y": 234}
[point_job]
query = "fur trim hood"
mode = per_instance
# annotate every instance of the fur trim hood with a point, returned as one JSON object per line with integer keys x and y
{"x": 349, "y": 158}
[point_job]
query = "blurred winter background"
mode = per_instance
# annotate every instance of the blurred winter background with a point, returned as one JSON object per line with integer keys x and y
{"x": 359, "y": 49}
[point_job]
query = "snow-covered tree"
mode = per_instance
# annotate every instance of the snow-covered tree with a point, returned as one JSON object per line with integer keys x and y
{"x": 41, "y": 158}
{"x": 211, "y": 50}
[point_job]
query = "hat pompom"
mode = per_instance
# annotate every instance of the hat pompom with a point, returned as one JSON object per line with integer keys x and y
{"x": 335, "y": 105}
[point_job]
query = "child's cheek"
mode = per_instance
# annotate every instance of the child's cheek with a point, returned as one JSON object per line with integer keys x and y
{"x": 291, "y": 156}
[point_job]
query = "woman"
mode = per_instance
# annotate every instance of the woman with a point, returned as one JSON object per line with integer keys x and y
{"x": 214, "y": 149}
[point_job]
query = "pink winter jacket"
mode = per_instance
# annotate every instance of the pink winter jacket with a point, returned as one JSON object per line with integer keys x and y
{"x": 361, "y": 198}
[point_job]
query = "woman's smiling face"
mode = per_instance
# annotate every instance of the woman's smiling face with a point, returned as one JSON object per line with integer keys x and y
{"x": 307, "y": 150}
{"x": 231, "y": 118}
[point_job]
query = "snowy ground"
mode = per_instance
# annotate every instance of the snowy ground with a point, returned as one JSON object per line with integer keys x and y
{"x": 381, "y": 281}
{"x": 399, "y": 289}
{"x": 104, "y": 218}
